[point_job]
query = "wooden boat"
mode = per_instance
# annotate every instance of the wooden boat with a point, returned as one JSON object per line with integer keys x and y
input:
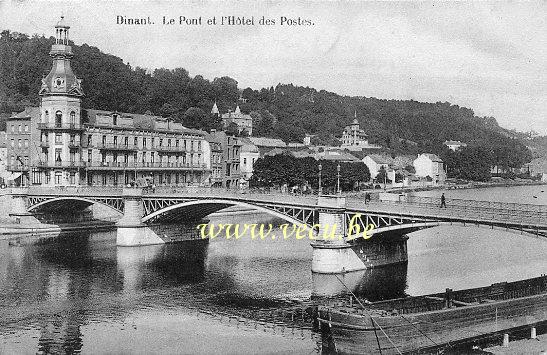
{"x": 433, "y": 321}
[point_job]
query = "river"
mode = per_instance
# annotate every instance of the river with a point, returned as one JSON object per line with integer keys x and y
{"x": 83, "y": 294}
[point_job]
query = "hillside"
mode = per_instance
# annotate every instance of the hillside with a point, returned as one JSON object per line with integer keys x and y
{"x": 285, "y": 111}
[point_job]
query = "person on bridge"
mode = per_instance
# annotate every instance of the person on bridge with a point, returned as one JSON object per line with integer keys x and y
{"x": 443, "y": 201}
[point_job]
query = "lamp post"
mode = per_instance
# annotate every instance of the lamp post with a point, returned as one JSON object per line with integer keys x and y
{"x": 338, "y": 179}
{"x": 320, "y": 189}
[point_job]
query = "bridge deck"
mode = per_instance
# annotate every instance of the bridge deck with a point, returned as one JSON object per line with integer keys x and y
{"x": 516, "y": 216}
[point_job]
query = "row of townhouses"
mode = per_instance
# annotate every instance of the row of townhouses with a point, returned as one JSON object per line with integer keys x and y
{"x": 60, "y": 143}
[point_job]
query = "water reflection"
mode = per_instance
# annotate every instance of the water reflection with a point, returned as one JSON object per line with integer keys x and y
{"x": 372, "y": 284}
{"x": 82, "y": 293}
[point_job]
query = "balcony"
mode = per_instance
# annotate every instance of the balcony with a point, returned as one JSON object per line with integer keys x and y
{"x": 17, "y": 167}
{"x": 144, "y": 166}
{"x": 44, "y": 144}
{"x": 74, "y": 145}
{"x": 60, "y": 127}
{"x": 61, "y": 164}
{"x": 167, "y": 149}
{"x": 116, "y": 146}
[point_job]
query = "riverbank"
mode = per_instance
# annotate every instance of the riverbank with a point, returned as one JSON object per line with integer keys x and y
{"x": 470, "y": 185}
{"x": 536, "y": 346}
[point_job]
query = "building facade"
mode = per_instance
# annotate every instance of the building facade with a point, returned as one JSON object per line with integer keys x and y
{"x": 231, "y": 150}
{"x": 19, "y": 145}
{"x": 68, "y": 145}
{"x": 248, "y": 156}
{"x": 217, "y": 154}
{"x": 354, "y": 136}
{"x": 430, "y": 165}
{"x": 244, "y": 122}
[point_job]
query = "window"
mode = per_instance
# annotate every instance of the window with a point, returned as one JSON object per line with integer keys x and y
{"x": 58, "y": 152}
{"x": 19, "y": 128}
{"x": 177, "y": 143}
{"x": 26, "y": 128}
{"x": 104, "y": 179}
{"x": 126, "y": 141}
{"x": 72, "y": 156}
{"x": 161, "y": 142}
{"x": 152, "y": 143}
{"x": 115, "y": 157}
{"x": 135, "y": 141}
{"x": 72, "y": 180}
{"x": 58, "y": 119}
{"x": 58, "y": 138}
{"x": 47, "y": 117}
{"x": 135, "y": 157}
{"x": 13, "y": 128}
{"x": 126, "y": 158}
{"x": 143, "y": 142}
{"x": 58, "y": 177}
{"x": 26, "y": 160}
{"x": 19, "y": 144}
{"x": 89, "y": 155}
{"x": 115, "y": 120}
{"x": 244, "y": 161}
{"x": 12, "y": 143}
{"x": 47, "y": 177}
{"x": 89, "y": 140}
{"x": 115, "y": 140}
{"x": 103, "y": 157}
{"x": 104, "y": 140}
{"x": 72, "y": 139}
{"x": 168, "y": 142}
{"x": 143, "y": 157}
{"x": 36, "y": 177}
{"x": 199, "y": 145}
{"x": 72, "y": 118}
{"x": 26, "y": 143}
{"x": 152, "y": 156}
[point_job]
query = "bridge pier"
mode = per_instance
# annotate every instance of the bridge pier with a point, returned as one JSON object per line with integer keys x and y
{"x": 334, "y": 255}
{"x": 131, "y": 231}
{"x": 17, "y": 211}
{"x": 340, "y": 256}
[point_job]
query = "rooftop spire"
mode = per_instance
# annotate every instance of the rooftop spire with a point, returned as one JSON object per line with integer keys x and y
{"x": 214, "y": 110}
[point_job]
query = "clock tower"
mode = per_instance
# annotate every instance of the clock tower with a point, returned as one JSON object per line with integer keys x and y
{"x": 60, "y": 122}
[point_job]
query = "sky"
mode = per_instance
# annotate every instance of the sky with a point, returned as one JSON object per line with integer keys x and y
{"x": 488, "y": 56}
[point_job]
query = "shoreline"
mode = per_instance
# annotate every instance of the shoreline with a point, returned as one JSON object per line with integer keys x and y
{"x": 468, "y": 186}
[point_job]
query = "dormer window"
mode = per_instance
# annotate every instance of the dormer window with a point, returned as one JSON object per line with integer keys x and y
{"x": 115, "y": 120}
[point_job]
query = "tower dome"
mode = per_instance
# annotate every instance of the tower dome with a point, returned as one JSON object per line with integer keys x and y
{"x": 61, "y": 79}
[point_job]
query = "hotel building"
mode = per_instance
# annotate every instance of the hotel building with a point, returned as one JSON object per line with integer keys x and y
{"x": 61, "y": 144}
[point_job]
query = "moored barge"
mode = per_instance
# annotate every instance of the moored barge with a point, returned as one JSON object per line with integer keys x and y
{"x": 434, "y": 321}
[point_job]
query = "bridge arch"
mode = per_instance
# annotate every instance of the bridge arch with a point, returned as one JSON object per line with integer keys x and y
{"x": 216, "y": 205}
{"x": 116, "y": 206}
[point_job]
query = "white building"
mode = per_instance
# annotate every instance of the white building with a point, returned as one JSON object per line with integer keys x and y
{"x": 455, "y": 145}
{"x": 430, "y": 165}
{"x": 375, "y": 162}
{"x": 248, "y": 156}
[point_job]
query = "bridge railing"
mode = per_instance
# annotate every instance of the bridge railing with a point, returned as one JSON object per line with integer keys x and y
{"x": 472, "y": 210}
{"x": 76, "y": 190}
{"x": 247, "y": 194}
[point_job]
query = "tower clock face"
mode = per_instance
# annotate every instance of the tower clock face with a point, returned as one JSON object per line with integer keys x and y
{"x": 59, "y": 82}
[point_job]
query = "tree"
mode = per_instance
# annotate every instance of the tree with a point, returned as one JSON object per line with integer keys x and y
{"x": 194, "y": 118}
